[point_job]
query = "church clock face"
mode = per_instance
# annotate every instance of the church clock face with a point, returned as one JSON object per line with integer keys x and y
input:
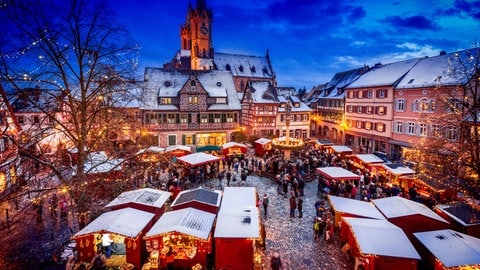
{"x": 204, "y": 29}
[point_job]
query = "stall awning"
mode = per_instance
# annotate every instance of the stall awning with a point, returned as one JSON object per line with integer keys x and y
{"x": 189, "y": 221}
{"x": 341, "y": 149}
{"x": 380, "y": 237}
{"x": 146, "y": 196}
{"x": 208, "y": 148}
{"x": 337, "y": 173}
{"x": 398, "y": 169}
{"x": 128, "y": 222}
{"x": 198, "y": 159}
{"x": 263, "y": 141}
{"x": 369, "y": 158}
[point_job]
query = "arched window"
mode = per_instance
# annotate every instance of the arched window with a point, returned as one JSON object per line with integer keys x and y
{"x": 192, "y": 83}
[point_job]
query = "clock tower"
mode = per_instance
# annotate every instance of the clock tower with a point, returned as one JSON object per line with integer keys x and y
{"x": 196, "y": 36}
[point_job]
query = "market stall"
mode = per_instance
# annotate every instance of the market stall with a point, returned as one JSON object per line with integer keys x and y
{"x": 341, "y": 150}
{"x": 377, "y": 244}
{"x": 187, "y": 232}
{"x": 198, "y": 159}
{"x": 178, "y": 150}
{"x": 345, "y": 207}
{"x": 234, "y": 149}
{"x": 337, "y": 174}
{"x": 238, "y": 230}
{"x": 410, "y": 216}
{"x": 199, "y": 198}
{"x": 463, "y": 215}
{"x": 146, "y": 199}
{"x": 263, "y": 146}
{"x": 126, "y": 228}
{"x": 368, "y": 163}
{"x": 449, "y": 250}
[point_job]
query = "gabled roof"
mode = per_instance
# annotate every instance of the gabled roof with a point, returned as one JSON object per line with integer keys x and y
{"x": 384, "y": 75}
{"x": 262, "y": 92}
{"x": 145, "y": 196}
{"x": 339, "y": 81}
{"x": 205, "y": 196}
{"x": 356, "y": 207}
{"x": 369, "y": 158}
{"x": 244, "y": 65}
{"x": 127, "y": 222}
{"x": 189, "y": 221}
{"x": 451, "y": 248}
{"x": 380, "y": 237}
{"x": 396, "y": 206}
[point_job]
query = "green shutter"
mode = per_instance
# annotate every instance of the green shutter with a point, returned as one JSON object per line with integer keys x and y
{"x": 183, "y": 139}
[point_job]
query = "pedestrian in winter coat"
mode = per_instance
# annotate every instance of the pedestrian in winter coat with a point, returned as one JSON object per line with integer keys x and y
{"x": 229, "y": 177}
{"x": 265, "y": 205}
{"x": 300, "y": 207}
{"x": 293, "y": 206}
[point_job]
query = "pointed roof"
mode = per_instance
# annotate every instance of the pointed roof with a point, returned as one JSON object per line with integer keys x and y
{"x": 396, "y": 206}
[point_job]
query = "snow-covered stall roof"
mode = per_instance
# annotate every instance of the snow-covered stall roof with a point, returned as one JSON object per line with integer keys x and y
{"x": 99, "y": 162}
{"x": 340, "y": 148}
{"x": 398, "y": 169}
{"x": 188, "y": 221}
{"x": 263, "y": 141}
{"x": 380, "y": 237}
{"x": 369, "y": 158}
{"x": 451, "y": 248}
{"x": 337, "y": 173}
{"x": 244, "y": 65}
{"x": 384, "y": 75}
{"x": 206, "y": 196}
{"x": 396, "y": 206}
{"x": 197, "y": 159}
{"x": 128, "y": 222}
{"x": 178, "y": 147}
{"x": 239, "y": 215}
{"x": 233, "y": 144}
{"x": 146, "y": 196}
{"x": 151, "y": 149}
{"x": 356, "y": 207}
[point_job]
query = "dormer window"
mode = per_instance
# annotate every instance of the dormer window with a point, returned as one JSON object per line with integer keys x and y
{"x": 252, "y": 69}
{"x": 227, "y": 67}
{"x": 167, "y": 83}
{"x": 240, "y": 68}
{"x": 219, "y": 84}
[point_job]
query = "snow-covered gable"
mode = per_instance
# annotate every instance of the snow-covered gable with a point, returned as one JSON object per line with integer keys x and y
{"x": 396, "y": 206}
{"x": 356, "y": 207}
{"x": 99, "y": 162}
{"x": 127, "y": 222}
{"x": 189, "y": 221}
{"x": 335, "y": 87}
{"x": 220, "y": 84}
{"x": 146, "y": 196}
{"x": 261, "y": 92}
{"x": 375, "y": 237}
{"x": 451, "y": 248}
{"x": 297, "y": 105}
{"x": 205, "y": 196}
{"x": 239, "y": 215}
{"x": 434, "y": 71}
{"x": 243, "y": 65}
{"x": 384, "y": 75}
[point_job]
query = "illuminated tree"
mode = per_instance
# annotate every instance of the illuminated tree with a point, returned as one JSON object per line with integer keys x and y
{"x": 82, "y": 61}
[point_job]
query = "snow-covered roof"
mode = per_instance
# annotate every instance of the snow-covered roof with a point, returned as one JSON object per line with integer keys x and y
{"x": 189, "y": 221}
{"x": 396, "y": 206}
{"x": 380, "y": 237}
{"x": 239, "y": 215}
{"x": 340, "y": 148}
{"x": 151, "y": 149}
{"x": 178, "y": 147}
{"x": 263, "y": 141}
{"x": 356, "y": 207}
{"x": 384, "y": 75}
{"x": 205, "y": 196}
{"x": 451, "y": 248}
{"x": 243, "y": 65}
{"x": 99, "y": 162}
{"x": 369, "y": 158}
{"x": 199, "y": 158}
{"x": 233, "y": 144}
{"x": 146, "y": 196}
{"x": 398, "y": 169}
{"x": 337, "y": 173}
{"x": 127, "y": 222}
{"x": 262, "y": 93}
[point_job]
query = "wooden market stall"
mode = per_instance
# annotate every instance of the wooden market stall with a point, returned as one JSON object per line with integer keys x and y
{"x": 449, "y": 250}
{"x": 238, "y": 230}
{"x": 337, "y": 174}
{"x": 146, "y": 199}
{"x": 345, "y": 207}
{"x": 368, "y": 163}
{"x": 126, "y": 226}
{"x": 411, "y": 216}
{"x": 188, "y": 232}
{"x": 464, "y": 216}
{"x": 443, "y": 190}
{"x": 150, "y": 154}
{"x": 199, "y": 198}
{"x": 263, "y": 146}
{"x": 234, "y": 149}
{"x": 178, "y": 150}
{"x": 198, "y": 159}
{"x": 394, "y": 171}
{"x": 341, "y": 150}
{"x": 377, "y": 244}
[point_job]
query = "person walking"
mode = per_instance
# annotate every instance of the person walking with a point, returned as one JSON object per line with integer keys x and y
{"x": 300, "y": 207}
{"x": 229, "y": 177}
{"x": 265, "y": 202}
{"x": 276, "y": 261}
{"x": 293, "y": 206}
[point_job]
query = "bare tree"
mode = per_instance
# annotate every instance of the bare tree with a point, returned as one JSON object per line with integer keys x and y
{"x": 452, "y": 149}
{"x": 82, "y": 60}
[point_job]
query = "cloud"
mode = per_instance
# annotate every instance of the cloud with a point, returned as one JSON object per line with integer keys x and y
{"x": 415, "y": 22}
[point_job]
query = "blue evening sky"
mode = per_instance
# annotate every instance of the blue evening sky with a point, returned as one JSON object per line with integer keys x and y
{"x": 310, "y": 40}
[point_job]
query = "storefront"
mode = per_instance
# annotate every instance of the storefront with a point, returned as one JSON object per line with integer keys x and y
{"x": 237, "y": 231}
{"x": 187, "y": 232}
{"x": 126, "y": 227}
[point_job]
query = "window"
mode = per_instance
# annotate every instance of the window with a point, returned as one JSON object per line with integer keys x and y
{"x": 422, "y": 129}
{"x": 189, "y": 139}
{"x": 217, "y": 118}
{"x": 172, "y": 139}
{"x": 380, "y": 127}
{"x": 36, "y": 119}
{"x": 382, "y": 93}
{"x": 229, "y": 117}
{"x": 171, "y": 118}
{"x": 360, "y": 94}
{"x": 452, "y": 133}
{"x": 436, "y": 130}
{"x": 192, "y": 99}
{"x": 222, "y": 100}
{"x": 398, "y": 127}
{"x": 368, "y": 125}
{"x": 382, "y": 110}
{"x": 358, "y": 124}
{"x": 400, "y": 105}
{"x": 193, "y": 83}
{"x": 350, "y": 108}
{"x": 359, "y": 109}
{"x": 184, "y": 118}
{"x": 165, "y": 101}
{"x": 411, "y": 128}
{"x": 369, "y": 109}
{"x": 20, "y": 120}
{"x": 203, "y": 118}
{"x": 369, "y": 94}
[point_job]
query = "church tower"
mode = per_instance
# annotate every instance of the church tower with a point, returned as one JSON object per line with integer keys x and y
{"x": 196, "y": 36}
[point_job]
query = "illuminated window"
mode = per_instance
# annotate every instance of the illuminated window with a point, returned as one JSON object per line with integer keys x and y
{"x": 411, "y": 128}
{"x": 192, "y": 99}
